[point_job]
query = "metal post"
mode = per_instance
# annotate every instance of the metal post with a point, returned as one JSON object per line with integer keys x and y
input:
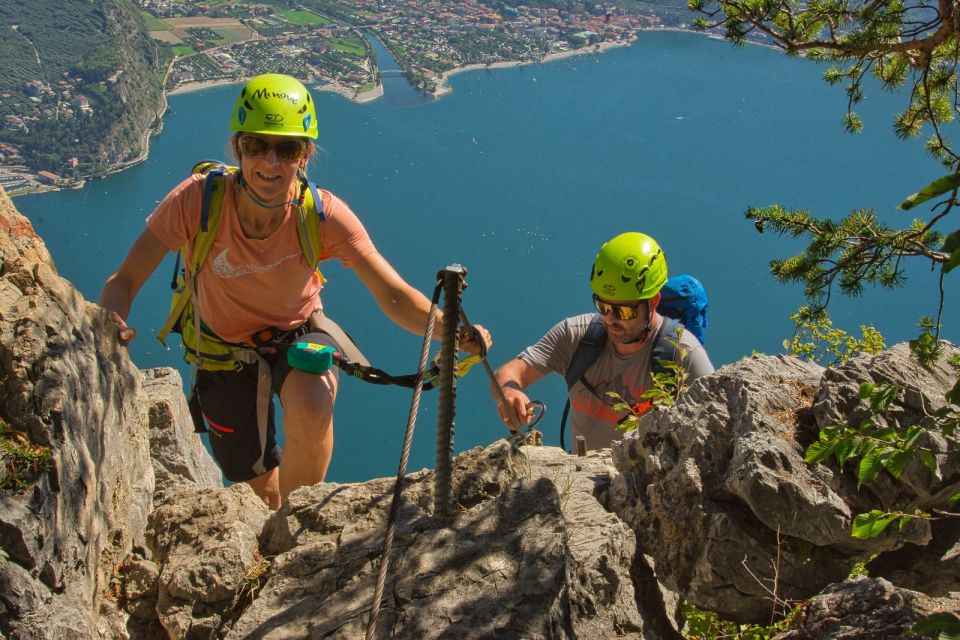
{"x": 453, "y": 284}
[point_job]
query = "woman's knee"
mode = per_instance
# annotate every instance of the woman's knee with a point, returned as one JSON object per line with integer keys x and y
{"x": 309, "y": 393}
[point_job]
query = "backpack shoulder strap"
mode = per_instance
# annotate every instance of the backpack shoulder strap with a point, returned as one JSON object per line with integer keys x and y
{"x": 309, "y": 216}
{"x": 587, "y": 352}
{"x": 663, "y": 349}
{"x": 214, "y": 187}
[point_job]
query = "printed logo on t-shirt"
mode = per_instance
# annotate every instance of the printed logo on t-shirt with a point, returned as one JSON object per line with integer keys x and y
{"x": 223, "y": 268}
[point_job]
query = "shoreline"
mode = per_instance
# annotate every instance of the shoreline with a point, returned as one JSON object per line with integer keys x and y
{"x": 443, "y": 88}
{"x": 198, "y": 86}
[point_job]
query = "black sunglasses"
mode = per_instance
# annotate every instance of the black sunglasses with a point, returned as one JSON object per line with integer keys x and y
{"x": 287, "y": 150}
{"x": 620, "y": 311}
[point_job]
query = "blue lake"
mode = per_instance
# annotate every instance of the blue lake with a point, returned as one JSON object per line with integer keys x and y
{"x": 519, "y": 175}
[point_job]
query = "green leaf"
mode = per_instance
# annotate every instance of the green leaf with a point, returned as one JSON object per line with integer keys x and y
{"x": 817, "y": 452}
{"x": 927, "y": 459}
{"x": 952, "y": 243}
{"x": 897, "y": 462}
{"x": 952, "y": 246}
{"x": 932, "y": 190}
{"x": 872, "y": 524}
{"x": 955, "y": 498}
{"x": 868, "y": 469}
{"x": 946, "y": 625}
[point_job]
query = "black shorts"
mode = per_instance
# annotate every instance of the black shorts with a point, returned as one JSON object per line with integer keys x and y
{"x": 228, "y": 402}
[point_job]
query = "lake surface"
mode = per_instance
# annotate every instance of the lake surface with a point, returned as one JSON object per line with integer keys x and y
{"x": 519, "y": 175}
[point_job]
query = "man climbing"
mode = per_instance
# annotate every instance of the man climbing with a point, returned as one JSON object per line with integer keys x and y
{"x": 629, "y": 337}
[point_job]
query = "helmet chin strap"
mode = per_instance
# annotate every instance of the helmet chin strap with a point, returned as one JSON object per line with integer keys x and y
{"x": 260, "y": 203}
{"x": 645, "y": 333}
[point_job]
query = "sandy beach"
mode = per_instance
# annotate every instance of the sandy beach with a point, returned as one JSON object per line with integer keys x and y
{"x": 197, "y": 86}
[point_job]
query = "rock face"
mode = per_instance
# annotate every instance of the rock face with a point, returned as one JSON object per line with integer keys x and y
{"x": 864, "y": 609}
{"x": 531, "y": 553}
{"x": 179, "y": 460}
{"x": 129, "y": 533}
{"x": 717, "y": 491}
{"x": 67, "y": 388}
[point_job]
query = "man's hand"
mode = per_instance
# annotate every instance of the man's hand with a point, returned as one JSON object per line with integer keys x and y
{"x": 518, "y": 410}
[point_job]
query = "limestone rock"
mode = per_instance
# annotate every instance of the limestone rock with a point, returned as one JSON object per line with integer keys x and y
{"x": 864, "y": 608}
{"x": 66, "y": 387}
{"x": 205, "y": 542}
{"x": 530, "y": 554}
{"x": 718, "y": 494}
{"x": 179, "y": 458}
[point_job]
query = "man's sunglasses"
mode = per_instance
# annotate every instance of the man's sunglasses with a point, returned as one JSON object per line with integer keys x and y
{"x": 288, "y": 150}
{"x": 619, "y": 311}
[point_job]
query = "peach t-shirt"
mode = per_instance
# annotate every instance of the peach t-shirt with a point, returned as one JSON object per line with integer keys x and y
{"x": 246, "y": 284}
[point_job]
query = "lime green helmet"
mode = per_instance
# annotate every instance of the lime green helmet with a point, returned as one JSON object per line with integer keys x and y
{"x": 275, "y": 104}
{"x": 629, "y": 267}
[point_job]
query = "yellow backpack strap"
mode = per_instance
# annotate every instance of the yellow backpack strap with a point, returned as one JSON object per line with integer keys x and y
{"x": 214, "y": 188}
{"x": 309, "y": 216}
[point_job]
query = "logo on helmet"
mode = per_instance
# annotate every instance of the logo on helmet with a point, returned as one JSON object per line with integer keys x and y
{"x": 260, "y": 94}
{"x": 241, "y": 115}
{"x": 274, "y": 118}
{"x": 306, "y": 122}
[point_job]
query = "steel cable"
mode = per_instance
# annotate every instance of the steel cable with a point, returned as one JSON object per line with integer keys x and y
{"x": 402, "y": 469}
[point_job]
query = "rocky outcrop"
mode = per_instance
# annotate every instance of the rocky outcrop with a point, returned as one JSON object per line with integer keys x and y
{"x": 718, "y": 494}
{"x": 68, "y": 389}
{"x": 531, "y": 553}
{"x": 864, "y": 608}
{"x": 179, "y": 460}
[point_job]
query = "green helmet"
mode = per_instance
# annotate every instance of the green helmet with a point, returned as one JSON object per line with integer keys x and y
{"x": 629, "y": 267}
{"x": 277, "y": 105}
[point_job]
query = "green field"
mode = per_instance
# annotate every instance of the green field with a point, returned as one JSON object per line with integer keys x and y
{"x": 232, "y": 35}
{"x": 350, "y": 46}
{"x": 153, "y": 23}
{"x": 301, "y": 18}
{"x": 183, "y": 50}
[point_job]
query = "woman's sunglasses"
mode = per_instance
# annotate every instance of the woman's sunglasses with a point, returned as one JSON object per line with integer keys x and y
{"x": 620, "y": 311}
{"x": 288, "y": 150}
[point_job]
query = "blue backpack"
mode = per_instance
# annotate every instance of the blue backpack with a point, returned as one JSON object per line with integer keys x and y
{"x": 683, "y": 300}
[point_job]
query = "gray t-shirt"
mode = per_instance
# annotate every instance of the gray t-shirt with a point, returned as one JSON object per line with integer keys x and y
{"x": 591, "y": 414}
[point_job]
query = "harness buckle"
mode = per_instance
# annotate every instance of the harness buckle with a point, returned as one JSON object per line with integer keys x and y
{"x": 247, "y": 356}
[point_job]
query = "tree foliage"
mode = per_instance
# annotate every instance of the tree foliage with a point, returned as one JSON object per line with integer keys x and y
{"x": 909, "y": 47}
